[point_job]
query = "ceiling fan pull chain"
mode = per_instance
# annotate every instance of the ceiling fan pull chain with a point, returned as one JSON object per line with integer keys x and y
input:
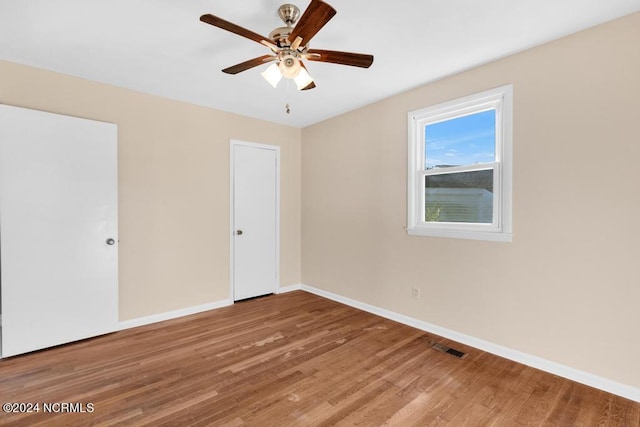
{"x": 287, "y": 108}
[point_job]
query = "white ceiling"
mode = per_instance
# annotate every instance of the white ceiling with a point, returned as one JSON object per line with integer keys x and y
{"x": 160, "y": 46}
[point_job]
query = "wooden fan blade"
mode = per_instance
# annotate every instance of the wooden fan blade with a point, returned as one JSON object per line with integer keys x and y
{"x": 309, "y": 86}
{"x": 344, "y": 58}
{"x": 243, "y": 66}
{"x": 318, "y": 13}
{"x": 231, "y": 27}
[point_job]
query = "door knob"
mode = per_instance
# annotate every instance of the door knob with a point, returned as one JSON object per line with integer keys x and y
{"x": 239, "y": 232}
{"x": 110, "y": 241}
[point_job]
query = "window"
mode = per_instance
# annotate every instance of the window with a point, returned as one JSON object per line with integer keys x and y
{"x": 459, "y": 168}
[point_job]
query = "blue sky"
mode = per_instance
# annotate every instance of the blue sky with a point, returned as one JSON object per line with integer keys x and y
{"x": 462, "y": 141}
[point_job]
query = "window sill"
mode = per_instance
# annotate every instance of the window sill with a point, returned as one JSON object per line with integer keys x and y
{"x": 458, "y": 234}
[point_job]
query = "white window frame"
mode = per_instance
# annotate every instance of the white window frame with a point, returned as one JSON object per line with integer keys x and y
{"x": 499, "y": 99}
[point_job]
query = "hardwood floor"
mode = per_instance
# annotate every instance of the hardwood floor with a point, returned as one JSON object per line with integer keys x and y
{"x": 293, "y": 360}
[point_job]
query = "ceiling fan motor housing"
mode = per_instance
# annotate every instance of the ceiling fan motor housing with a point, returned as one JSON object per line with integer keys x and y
{"x": 289, "y": 13}
{"x": 280, "y": 36}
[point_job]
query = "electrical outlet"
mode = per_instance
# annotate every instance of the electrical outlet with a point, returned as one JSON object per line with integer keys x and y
{"x": 415, "y": 293}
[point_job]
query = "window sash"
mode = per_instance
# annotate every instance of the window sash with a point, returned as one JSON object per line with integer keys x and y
{"x": 494, "y": 226}
{"x": 498, "y": 99}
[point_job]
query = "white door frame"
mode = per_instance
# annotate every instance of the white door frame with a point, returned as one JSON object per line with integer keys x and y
{"x": 233, "y": 143}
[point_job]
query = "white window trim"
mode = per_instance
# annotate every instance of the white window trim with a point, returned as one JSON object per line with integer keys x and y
{"x": 500, "y": 99}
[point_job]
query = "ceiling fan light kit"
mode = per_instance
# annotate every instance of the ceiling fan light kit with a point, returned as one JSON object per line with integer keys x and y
{"x": 289, "y": 45}
{"x": 303, "y": 79}
{"x": 272, "y": 75}
{"x": 289, "y": 65}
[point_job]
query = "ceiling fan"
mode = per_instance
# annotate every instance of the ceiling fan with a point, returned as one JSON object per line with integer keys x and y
{"x": 290, "y": 45}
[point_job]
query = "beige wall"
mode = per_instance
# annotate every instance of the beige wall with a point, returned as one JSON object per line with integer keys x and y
{"x": 173, "y": 177}
{"x": 567, "y": 288}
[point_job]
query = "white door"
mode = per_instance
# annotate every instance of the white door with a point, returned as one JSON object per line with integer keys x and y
{"x": 255, "y": 220}
{"x": 58, "y": 229}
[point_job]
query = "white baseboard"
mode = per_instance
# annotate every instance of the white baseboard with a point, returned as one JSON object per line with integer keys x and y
{"x": 291, "y": 288}
{"x": 141, "y": 321}
{"x": 623, "y": 390}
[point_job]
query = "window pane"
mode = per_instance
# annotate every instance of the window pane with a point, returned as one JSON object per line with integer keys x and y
{"x": 459, "y": 197}
{"x": 460, "y": 141}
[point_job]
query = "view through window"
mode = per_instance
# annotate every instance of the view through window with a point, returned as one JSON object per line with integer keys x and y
{"x": 455, "y": 189}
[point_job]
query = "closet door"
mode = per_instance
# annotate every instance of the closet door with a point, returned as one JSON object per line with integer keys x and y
{"x": 58, "y": 229}
{"x": 255, "y": 201}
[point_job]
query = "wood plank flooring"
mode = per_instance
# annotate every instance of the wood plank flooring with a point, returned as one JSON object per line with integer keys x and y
{"x": 293, "y": 359}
